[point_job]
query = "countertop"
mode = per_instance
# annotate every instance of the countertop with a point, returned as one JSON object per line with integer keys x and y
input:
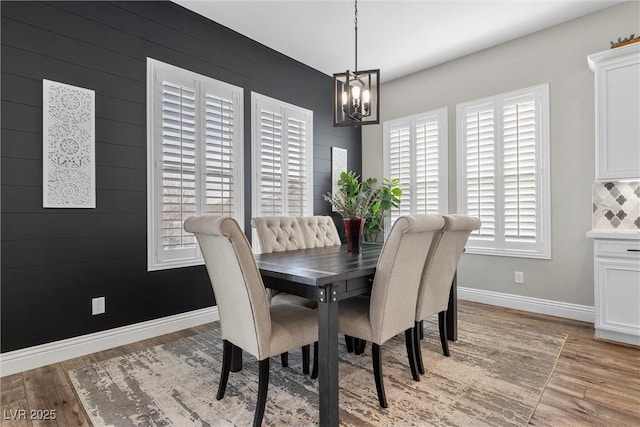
{"x": 600, "y": 233}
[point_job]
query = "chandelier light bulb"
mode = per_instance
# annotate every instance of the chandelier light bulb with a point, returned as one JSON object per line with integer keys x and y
{"x": 355, "y": 93}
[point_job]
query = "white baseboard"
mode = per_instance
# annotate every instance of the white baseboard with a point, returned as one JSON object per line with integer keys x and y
{"x": 616, "y": 336}
{"x": 583, "y": 313}
{"x": 41, "y": 355}
{"x": 46, "y": 354}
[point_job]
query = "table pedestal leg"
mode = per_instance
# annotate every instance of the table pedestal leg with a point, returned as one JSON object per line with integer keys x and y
{"x": 328, "y": 358}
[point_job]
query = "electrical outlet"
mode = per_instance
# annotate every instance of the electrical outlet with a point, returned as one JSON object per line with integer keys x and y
{"x": 519, "y": 277}
{"x": 97, "y": 306}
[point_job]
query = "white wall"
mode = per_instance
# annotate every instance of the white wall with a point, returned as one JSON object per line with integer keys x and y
{"x": 559, "y": 56}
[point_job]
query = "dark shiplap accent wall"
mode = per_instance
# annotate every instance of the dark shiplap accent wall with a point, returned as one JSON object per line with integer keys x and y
{"x": 55, "y": 260}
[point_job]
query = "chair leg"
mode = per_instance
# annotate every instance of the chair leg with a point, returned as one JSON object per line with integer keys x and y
{"x": 442, "y": 324}
{"x": 284, "y": 359}
{"x": 418, "y": 347}
{"x": 359, "y": 345}
{"x": 422, "y": 329}
{"x": 377, "y": 373}
{"x": 314, "y": 373}
{"x": 363, "y": 346}
{"x": 349, "y": 342}
{"x": 409, "y": 339}
{"x": 226, "y": 367}
{"x": 305, "y": 359}
{"x": 263, "y": 384}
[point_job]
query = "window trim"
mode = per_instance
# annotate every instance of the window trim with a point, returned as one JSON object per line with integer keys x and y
{"x": 441, "y": 116}
{"x": 154, "y": 156}
{"x": 256, "y": 99}
{"x": 500, "y": 247}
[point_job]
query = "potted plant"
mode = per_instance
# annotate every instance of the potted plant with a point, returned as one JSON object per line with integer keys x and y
{"x": 387, "y": 197}
{"x": 354, "y": 201}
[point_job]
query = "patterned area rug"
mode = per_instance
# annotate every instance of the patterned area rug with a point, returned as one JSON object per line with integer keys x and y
{"x": 495, "y": 376}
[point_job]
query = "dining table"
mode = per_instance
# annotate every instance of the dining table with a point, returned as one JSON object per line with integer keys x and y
{"x": 329, "y": 275}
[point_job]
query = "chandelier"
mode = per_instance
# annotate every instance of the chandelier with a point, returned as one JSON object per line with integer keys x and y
{"x": 356, "y": 94}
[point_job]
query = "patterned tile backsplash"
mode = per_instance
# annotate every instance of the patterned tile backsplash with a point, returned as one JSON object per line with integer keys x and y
{"x": 616, "y": 205}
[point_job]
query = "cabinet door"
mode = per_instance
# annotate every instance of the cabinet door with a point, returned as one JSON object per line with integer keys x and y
{"x": 617, "y": 112}
{"x": 618, "y": 296}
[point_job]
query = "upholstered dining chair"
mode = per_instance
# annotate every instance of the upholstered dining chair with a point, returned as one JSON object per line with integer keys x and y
{"x": 247, "y": 320}
{"x": 395, "y": 287}
{"x": 279, "y": 234}
{"x": 433, "y": 295}
{"x": 319, "y": 231}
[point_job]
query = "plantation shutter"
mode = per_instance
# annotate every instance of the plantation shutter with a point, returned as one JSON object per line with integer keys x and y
{"x": 194, "y": 136}
{"x": 400, "y": 165}
{"x": 271, "y": 164}
{"x": 297, "y": 191}
{"x": 178, "y": 164}
{"x": 479, "y": 140}
{"x": 427, "y": 180}
{"x": 519, "y": 170}
{"x": 503, "y": 149}
{"x": 219, "y": 156}
{"x": 415, "y": 151}
{"x": 282, "y": 158}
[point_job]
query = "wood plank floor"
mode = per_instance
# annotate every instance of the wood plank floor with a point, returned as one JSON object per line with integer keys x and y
{"x": 595, "y": 383}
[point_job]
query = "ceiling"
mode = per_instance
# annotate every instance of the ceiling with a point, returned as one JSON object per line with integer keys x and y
{"x": 399, "y": 37}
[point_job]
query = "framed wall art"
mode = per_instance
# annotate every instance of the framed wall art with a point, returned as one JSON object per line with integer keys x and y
{"x": 68, "y": 134}
{"x": 338, "y": 165}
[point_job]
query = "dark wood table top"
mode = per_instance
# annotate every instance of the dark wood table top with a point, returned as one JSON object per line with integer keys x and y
{"x": 318, "y": 267}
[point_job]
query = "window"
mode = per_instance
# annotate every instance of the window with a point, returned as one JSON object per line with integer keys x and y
{"x": 415, "y": 150}
{"x": 282, "y": 141}
{"x": 194, "y": 136}
{"x": 503, "y": 172}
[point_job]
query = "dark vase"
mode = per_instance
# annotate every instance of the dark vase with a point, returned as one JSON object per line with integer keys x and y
{"x": 353, "y": 228}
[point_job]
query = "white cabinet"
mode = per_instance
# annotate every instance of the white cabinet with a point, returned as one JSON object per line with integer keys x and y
{"x": 617, "y": 95}
{"x": 617, "y": 290}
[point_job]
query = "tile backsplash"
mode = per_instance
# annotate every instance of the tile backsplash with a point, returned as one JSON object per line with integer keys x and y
{"x": 616, "y": 205}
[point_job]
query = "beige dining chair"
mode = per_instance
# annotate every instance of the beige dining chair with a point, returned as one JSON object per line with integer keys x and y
{"x": 280, "y": 234}
{"x": 395, "y": 287}
{"x": 247, "y": 320}
{"x": 319, "y": 231}
{"x": 435, "y": 286}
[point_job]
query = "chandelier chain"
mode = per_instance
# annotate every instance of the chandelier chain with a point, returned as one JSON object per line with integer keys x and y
{"x": 355, "y": 21}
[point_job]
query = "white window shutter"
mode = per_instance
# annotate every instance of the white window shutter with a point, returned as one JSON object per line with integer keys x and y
{"x": 503, "y": 156}
{"x": 519, "y": 170}
{"x": 282, "y": 142}
{"x": 219, "y": 165}
{"x": 415, "y": 151}
{"x": 194, "y": 159}
{"x": 427, "y": 166}
{"x": 271, "y": 164}
{"x": 178, "y": 165}
{"x": 400, "y": 166}
{"x": 479, "y": 185}
{"x": 297, "y": 191}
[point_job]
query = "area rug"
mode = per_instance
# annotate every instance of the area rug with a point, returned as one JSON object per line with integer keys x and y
{"x": 494, "y": 377}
